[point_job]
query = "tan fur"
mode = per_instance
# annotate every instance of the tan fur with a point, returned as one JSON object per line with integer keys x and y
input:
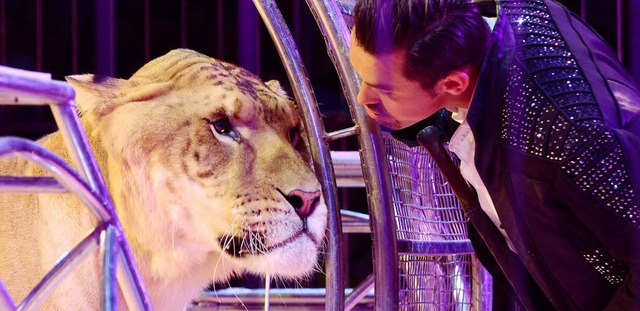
{"x": 178, "y": 185}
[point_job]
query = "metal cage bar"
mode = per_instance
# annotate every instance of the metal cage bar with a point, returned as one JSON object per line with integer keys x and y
{"x": 331, "y": 21}
{"x": 19, "y": 87}
{"x": 303, "y": 93}
{"x": 429, "y": 220}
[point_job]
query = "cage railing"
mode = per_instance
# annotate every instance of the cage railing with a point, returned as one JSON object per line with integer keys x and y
{"x": 412, "y": 268}
{"x": 18, "y": 87}
{"x": 330, "y": 21}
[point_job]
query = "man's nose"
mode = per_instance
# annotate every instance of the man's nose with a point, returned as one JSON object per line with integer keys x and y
{"x": 366, "y": 95}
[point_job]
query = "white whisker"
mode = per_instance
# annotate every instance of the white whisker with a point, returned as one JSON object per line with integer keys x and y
{"x": 220, "y": 261}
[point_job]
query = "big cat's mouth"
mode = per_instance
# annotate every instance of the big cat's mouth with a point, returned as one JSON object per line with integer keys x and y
{"x": 253, "y": 243}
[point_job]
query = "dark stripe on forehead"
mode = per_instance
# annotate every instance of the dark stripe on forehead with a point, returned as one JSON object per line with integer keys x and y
{"x": 274, "y": 110}
{"x": 220, "y": 112}
{"x": 173, "y": 64}
{"x": 184, "y": 68}
{"x": 236, "y": 108}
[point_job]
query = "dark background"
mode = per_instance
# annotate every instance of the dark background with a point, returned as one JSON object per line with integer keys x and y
{"x": 116, "y": 38}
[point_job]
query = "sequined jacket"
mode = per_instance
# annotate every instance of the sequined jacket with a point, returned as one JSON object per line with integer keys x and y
{"x": 556, "y": 120}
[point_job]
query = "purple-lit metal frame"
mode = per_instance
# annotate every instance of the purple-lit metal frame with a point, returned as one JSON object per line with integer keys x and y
{"x": 116, "y": 259}
{"x": 331, "y": 21}
{"x": 377, "y": 179}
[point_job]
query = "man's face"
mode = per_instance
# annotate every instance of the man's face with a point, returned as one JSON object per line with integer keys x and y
{"x": 388, "y": 96}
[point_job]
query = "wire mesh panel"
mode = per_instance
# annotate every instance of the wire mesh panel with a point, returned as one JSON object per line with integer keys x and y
{"x": 437, "y": 268}
{"x": 426, "y": 208}
{"x": 435, "y": 282}
{"x": 20, "y": 87}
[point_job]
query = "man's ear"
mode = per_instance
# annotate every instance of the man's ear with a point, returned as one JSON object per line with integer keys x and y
{"x": 454, "y": 83}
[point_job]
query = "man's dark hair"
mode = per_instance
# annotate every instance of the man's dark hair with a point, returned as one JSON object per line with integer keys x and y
{"x": 438, "y": 36}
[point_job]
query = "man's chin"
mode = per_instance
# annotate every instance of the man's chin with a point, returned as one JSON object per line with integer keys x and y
{"x": 394, "y": 126}
{"x": 387, "y": 125}
{"x": 385, "y": 129}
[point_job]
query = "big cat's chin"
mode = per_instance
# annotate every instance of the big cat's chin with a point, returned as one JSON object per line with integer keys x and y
{"x": 295, "y": 259}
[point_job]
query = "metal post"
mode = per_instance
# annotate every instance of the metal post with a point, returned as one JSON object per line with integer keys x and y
{"x": 633, "y": 24}
{"x": 146, "y": 20}
{"x": 249, "y": 41}
{"x": 39, "y": 39}
{"x": 105, "y": 37}
{"x": 377, "y": 177}
{"x": 619, "y": 31}
{"x": 74, "y": 37}
{"x": 302, "y": 90}
{"x": 3, "y": 32}
{"x": 108, "y": 261}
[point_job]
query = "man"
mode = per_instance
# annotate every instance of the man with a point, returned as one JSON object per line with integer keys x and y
{"x": 549, "y": 137}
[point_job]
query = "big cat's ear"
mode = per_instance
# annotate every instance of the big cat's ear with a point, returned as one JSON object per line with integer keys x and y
{"x": 275, "y": 86}
{"x": 96, "y": 94}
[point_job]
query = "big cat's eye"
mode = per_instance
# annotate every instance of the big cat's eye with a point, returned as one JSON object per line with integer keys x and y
{"x": 224, "y": 127}
{"x": 294, "y": 136}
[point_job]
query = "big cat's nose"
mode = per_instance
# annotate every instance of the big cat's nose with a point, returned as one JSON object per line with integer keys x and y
{"x": 304, "y": 203}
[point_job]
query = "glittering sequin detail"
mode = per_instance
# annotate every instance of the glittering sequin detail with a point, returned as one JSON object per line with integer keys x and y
{"x": 551, "y": 112}
{"x": 613, "y": 271}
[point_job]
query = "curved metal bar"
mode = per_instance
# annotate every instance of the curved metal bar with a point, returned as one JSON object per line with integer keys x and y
{"x": 354, "y": 222}
{"x": 78, "y": 145}
{"x": 359, "y": 293}
{"x": 100, "y": 205}
{"x": 66, "y": 117}
{"x": 6, "y": 303}
{"x": 33, "y": 88}
{"x": 376, "y": 172}
{"x": 281, "y": 299}
{"x": 343, "y": 133}
{"x": 31, "y": 184}
{"x": 303, "y": 92}
{"x": 30, "y": 91}
{"x": 130, "y": 284}
{"x": 108, "y": 261}
{"x": 59, "y": 169}
{"x": 137, "y": 299}
{"x": 62, "y": 268}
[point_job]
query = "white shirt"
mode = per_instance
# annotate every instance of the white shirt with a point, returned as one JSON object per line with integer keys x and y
{"x": 464, "y": 146}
